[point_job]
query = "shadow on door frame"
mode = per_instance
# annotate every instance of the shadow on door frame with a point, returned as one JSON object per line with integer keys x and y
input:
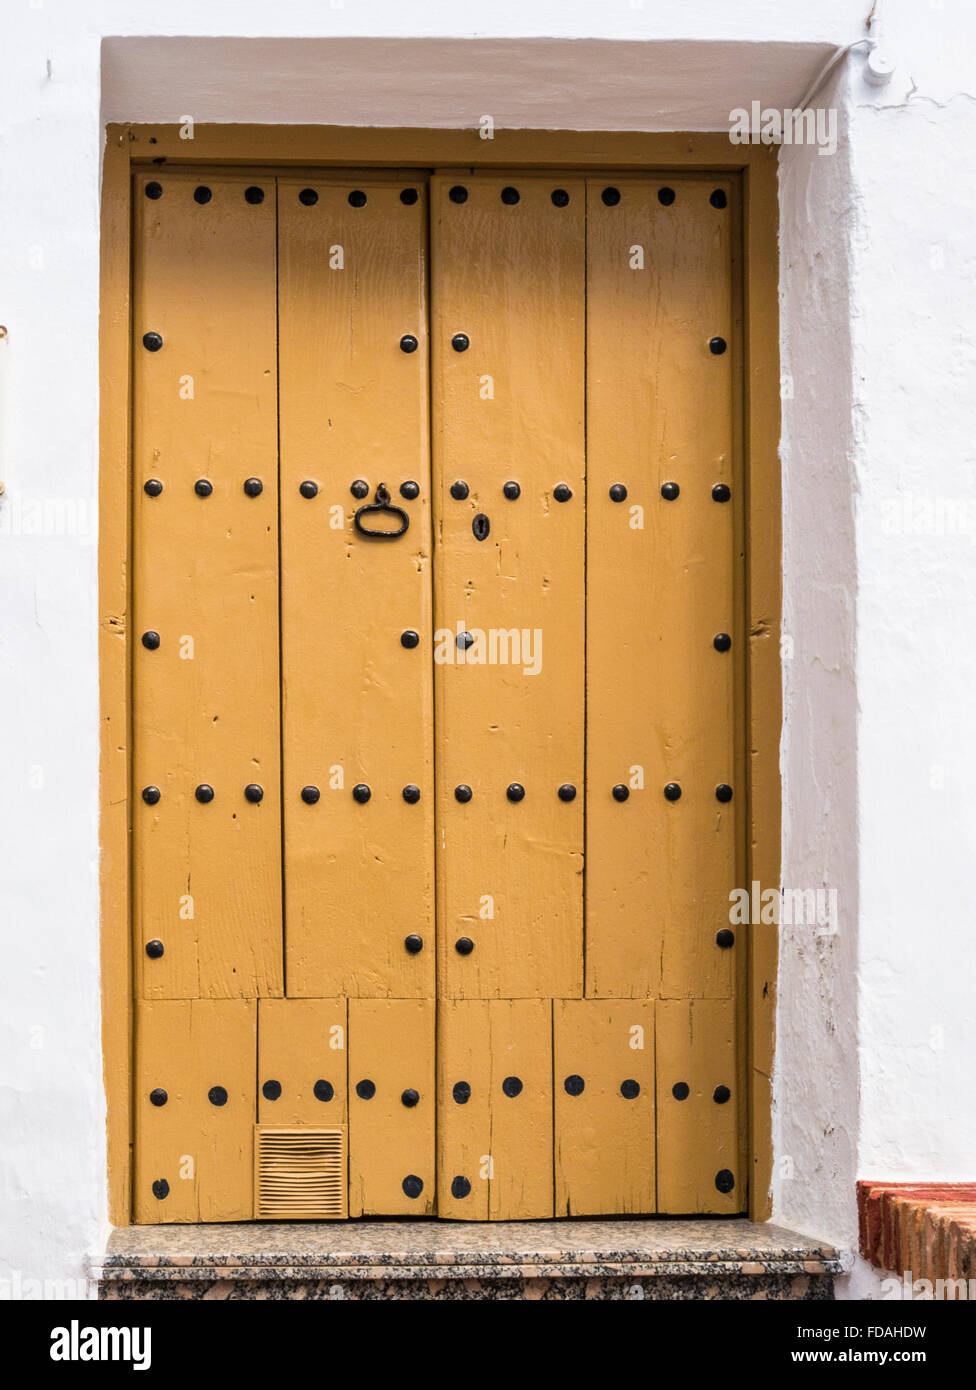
{"x": 271, "y": 149}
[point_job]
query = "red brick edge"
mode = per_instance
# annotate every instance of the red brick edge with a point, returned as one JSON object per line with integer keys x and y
{"x": 928, "y": 1229}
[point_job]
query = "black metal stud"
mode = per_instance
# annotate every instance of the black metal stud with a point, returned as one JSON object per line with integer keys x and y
{"x": 203, "y": 487}
{"x": 411, "y": 793}
{"x": 152, "y": 342}
{"x": 409, "y": 490}
{"x": 308, "y": 488}
{"x": 560, "y": 197}
{"x": 721, "y": 492}
{"x": 361, "y": 793}
{"x": 323, "y": 1091}
{"x": 672, "y": 791}
{"x": 721, "y": 641}
{"x": 152, "y": 487}
{"x": 359, "y": 488}
{"x": 409, "y": 1098}
{"x": 460, "y": 1187}
{"x": 515, "y": 791}
{"x": 412, "y": 1185}
{"x": 253, "y": 792}
{"x": 462, "y": 792}
{"x": 480, "y": 526}
{"x": 254, "y": 195}
{"x": 357, "y": 198}
{"x": 574, "y": 1085}
{"x": 618, "y": 493}
{"x": 621, "y": 792}
{"x": 721, "y": 1094}
{"x": 413, "y": 944}
{"x": 717, "y": 346}
{"x": 669, "y": 491}
{"x": 160, "y": 1189}
{"x": 512, "y": 1086}
{"x": 408, "y": 343}
{"x": 723, "y": 792}
{"x": 151, "y": 795}
{"x": 204, "y": 793}
{"x": 459, "y": 490}
{"x": 611, "y": 197}
{"x": 217, "y": 1095}
{"x": 562, "y": 493}
{"x": 408, "y": 196}
{"x": 629, "y": 1089}
{"x": 154, "y": 190}
{"x": 512, "y": 490}
{"x": 665, "y": 196}
{"x": 464, "y": 945}
{"x": 460, "y": 342}
{"x": 567, "y": 792}
{"x": 681, "y": 1090}
{"x": 725, "y": 938}
{"x": 154, "y": 949}
{"x": 510, "y": 196}
{"x": 461, "y": 1092}
{"x": 717, "y": 198}
{"x": 158, "y": 1096}
{"x": 458, "y": 194}
{"x": 150, "y": 640}
{"x": 409, "y": 639}
{"x": 308, "y": 197}
{"x": 724, "y": 1180}
{"x": 365, "y": 1090}
{"x": 271, "y": 1090}
{"x": 253, "y": 487}
{"x": 202, "y": 194}
{"x": 310, "y": 795}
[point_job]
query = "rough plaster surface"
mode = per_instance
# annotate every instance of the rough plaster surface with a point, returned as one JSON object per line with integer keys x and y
{"x": 878, "y": 337}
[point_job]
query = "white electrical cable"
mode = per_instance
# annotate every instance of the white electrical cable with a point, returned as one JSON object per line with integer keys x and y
{"x": 828, "y": 68}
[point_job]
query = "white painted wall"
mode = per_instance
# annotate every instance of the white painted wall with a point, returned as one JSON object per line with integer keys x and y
{"x": 879, "y": 340}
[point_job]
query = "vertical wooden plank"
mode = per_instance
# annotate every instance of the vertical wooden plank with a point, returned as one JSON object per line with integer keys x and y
{"x": 391, "y": 1107}
{"x": 205, "y": 695}
{"x": 302, "y": 1062}
{"x": 660, "y": 588}
{"x": 697, "y": 1108}
{"x": 495, "y": 1146}
{"x": 194, "y": 1109}
{"x": 357, "y": 698}
{"x": 508, "y": 276}
{"x": 603, "y": 1091}
{"x": 114, "y": 641}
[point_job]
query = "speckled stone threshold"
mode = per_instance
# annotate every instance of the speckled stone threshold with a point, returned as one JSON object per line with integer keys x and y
{"x": 730, "y": 1258}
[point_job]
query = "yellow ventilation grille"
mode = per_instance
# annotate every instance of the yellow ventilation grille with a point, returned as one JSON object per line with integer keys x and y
{"x": 299, "y": 1174}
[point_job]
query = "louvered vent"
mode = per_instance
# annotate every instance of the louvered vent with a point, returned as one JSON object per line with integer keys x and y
{"x": 299, "y": 1174}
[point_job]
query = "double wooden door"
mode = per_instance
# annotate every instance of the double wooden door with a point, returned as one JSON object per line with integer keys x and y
{"x": 436, "y": 729}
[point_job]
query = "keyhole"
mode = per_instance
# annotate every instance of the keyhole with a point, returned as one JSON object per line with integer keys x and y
{"x": 481, "y": 526}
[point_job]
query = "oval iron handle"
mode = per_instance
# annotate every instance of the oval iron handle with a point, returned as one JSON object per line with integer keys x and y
{"x": 380, "y": 505}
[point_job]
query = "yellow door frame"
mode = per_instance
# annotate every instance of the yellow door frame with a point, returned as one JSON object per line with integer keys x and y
{"x": 266, "y": 148}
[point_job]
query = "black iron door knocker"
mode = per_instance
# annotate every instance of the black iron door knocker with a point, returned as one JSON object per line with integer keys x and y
{"x": 380, "y": 506}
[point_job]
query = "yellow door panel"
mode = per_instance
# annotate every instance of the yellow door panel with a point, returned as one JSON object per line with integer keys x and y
{"x": 391, "y": 1107}
{"x": 194, "y": 1109}
{"x": 661, "y": 588}
{"x": 495, "y": 1117}
{"x": 355, "y": 610}
{"x": 205, "y": 814}
{"x": 698, "y": 1108}
{"x": 507, "y": 357}
{"x": 302, "y": 1062}
{"x": 603, "y": 1086}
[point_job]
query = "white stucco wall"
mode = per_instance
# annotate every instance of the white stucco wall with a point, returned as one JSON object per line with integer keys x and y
{"x": 878, "y": 339}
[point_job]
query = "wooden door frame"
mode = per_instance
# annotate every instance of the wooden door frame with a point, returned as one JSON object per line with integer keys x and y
{"x": 270, "y": 149}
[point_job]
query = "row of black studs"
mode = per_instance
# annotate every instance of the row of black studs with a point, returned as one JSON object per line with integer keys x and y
{"x": 253, "y": 487}
{"x": 153, "y": 342}
{"x": 362, "y": 792}
{"x": 509, "y": 195}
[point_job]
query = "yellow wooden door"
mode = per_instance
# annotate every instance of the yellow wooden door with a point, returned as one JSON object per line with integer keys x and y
{"x": 436, "y": 716}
